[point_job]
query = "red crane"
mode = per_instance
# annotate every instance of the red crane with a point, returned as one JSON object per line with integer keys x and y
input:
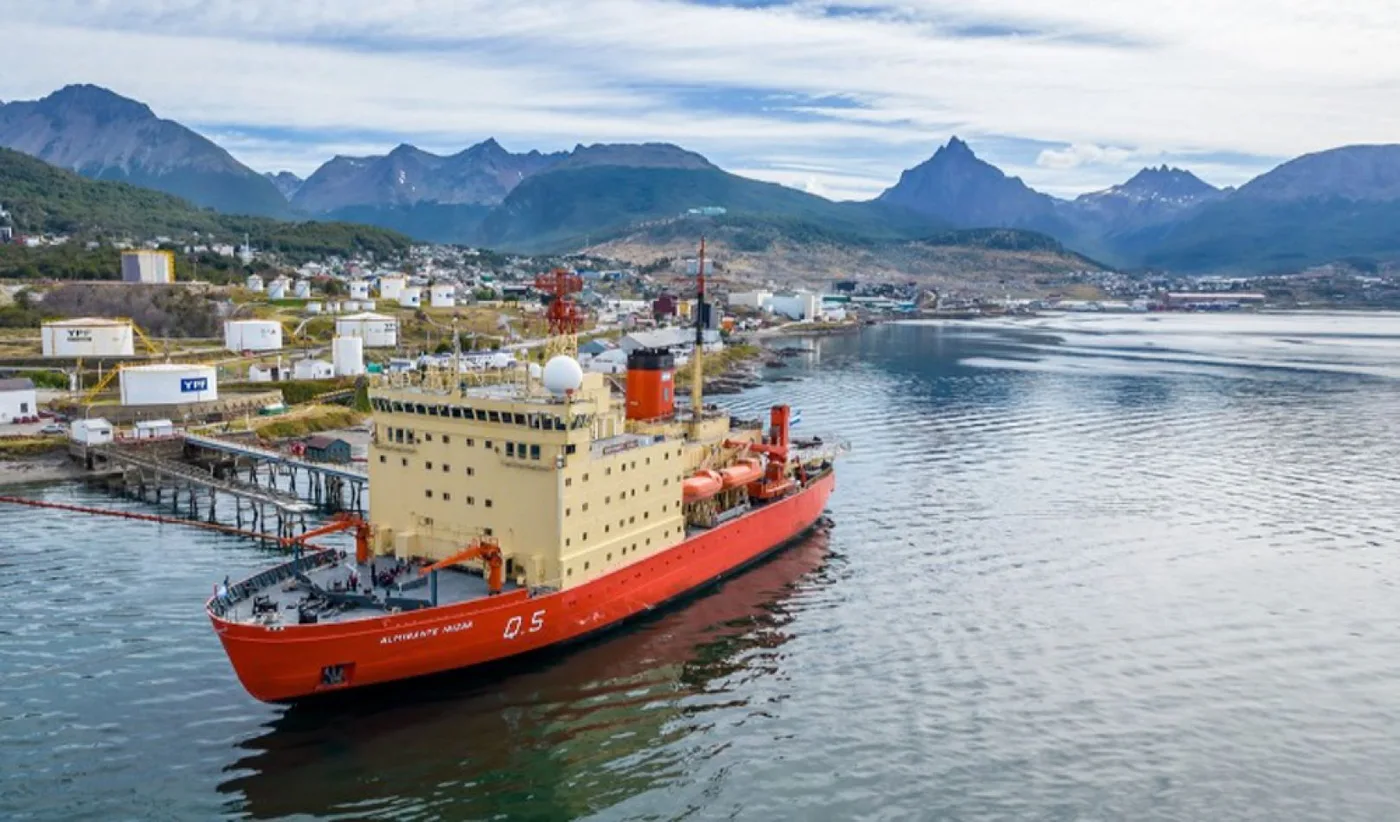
{"x": 563, "y": 313}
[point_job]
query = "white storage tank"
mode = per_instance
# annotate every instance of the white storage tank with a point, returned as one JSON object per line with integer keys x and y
{"x": 313, "y": 308}
{"x": 254, "y": 283}
{"x": 332, "y": 307}
{"x": 350, "y": 306}
{"x": 443, "y": 296}
{"x": 348, "y": 356}
{"x": 277, "y": 289}
{"x": 148, "y": 267}
{"x": 411, "y": 297}
{"x": 367, "y": 305}
{"x": 168, "y": 384}
{"x": 359, "y": 290}
{"x": 312, "y": 370}
{"x": 302, "y": 289}
{"x": 88, "y": 337}
{"x": 376, "y": 330}
{"x": 252, "y": 335}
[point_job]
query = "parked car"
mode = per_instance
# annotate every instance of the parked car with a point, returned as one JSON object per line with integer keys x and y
{"x": 54, "y": 428}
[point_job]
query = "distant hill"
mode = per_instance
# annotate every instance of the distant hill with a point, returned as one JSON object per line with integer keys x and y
{"x": 957, "y": 188}
{"x": 105, "y": 136}
{"x": 985, "y": 261}
{"x": 44, "y": 199}
{"x": 570, "y": 205}
{"x": 1342, "y": 203}
{"x": 480, "y": 175}
{"x": 287, "y": 183}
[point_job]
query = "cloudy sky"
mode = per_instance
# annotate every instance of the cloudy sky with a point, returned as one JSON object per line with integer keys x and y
{"x": 836, "y": 98}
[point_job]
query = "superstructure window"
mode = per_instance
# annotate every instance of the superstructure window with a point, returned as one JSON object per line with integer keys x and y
{"x": 446, "y": 439}
{"x": 471, "y": 500}
{"x": 471, "y": 443}
{"x": 488, "y": 503}
{"x": 510, "y": 449}
{"x": 382, "y": 459}
{"x": 427, "y": 437}
{"x": 534, "y": 452}
{"x": 428, "y": 493}
{"x": 446, "y": 497}
{"x": 446, "y": 468}
{"x": 487, "y": 444}
{"x": 428, "y": 465}
{"x": 471, "y": 472}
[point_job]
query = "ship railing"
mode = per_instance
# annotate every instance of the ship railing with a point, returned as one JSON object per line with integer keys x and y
{"x": 269, "y": 578}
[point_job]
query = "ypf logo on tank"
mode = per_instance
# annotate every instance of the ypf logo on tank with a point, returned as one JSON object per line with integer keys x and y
{"x": 194, "y": 385}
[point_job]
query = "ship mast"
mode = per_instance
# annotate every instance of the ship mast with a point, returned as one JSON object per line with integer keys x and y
{"x": 697, "y": 377}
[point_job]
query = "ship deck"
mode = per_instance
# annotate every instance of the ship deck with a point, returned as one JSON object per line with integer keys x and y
{"x": 320, "y": 589}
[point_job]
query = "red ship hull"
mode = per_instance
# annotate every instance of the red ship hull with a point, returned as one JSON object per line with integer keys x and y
{"x": 282, "y": 664}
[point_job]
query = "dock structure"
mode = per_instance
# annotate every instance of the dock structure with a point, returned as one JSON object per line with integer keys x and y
{"x": 155, "y": 473}
{"x": 336, "y": 487}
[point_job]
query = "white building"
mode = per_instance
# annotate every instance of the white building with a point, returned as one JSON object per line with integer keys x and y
{"x": 613, "y": 361}
{"x": 254, "y": 283}
{"x": 154, "y": 429}
{"x": 313, "y": 370}
{"x": 348, "y": 356}
{"x": 18, "y": 400}
{"x": 391, "y": 287}
{"x": 91, "y": 432}
{"x": 756, "y": 300}
{"x": 377, "y": 330}
{"x": 802, "y": 305}
{"x": 359, "y": 290}
{"x": 411, "y": 297}
{"x": 443, "y": 296}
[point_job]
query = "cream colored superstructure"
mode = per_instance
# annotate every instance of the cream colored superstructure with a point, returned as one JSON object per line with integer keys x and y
{"x": 566, "y": 485}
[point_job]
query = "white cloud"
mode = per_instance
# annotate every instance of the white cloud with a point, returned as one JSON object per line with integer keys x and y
{"x": 1117, "y": 82}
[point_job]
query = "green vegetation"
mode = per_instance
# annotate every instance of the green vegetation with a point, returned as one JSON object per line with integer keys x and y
{"x": 48, "y": 200}
{"x": 558, "y": 209}
{"x": 309, "y": 421}
{"x": 56, "y": 380}
{"x": 297, "y": 392}
{"x": 30, "y": 446}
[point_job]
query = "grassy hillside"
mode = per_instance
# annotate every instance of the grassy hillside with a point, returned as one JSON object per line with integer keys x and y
{"x": 1253, "y": 235}
{"x": 564, "y": 208}
{"x": 44, "y": 199}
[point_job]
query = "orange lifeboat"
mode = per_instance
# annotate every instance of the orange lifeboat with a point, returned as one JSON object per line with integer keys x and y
{"x": 703, "y": 485}
{"x": 742, "y": 472}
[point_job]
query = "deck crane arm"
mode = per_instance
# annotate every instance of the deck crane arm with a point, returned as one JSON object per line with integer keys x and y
{"x": 338, "y": 523}
{"x": 485, "y": 550}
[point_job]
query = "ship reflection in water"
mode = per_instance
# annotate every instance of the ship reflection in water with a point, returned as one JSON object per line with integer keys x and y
{"x": 556, "y": 737}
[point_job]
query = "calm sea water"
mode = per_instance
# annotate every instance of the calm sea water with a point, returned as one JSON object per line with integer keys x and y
{"x": 1082, "y": 568}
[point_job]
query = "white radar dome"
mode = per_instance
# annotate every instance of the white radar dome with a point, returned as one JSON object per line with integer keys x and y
{"x": 535, "y": 371}
{"x": 562, "y": 374}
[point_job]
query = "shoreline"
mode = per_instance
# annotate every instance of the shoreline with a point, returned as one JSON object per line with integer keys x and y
{"x": 46, "y": 468}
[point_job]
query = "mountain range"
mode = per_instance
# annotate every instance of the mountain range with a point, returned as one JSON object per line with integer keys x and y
{"x": 1317, "y": 208}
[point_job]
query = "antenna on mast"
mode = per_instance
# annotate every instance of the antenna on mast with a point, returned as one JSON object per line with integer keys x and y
{"x": 697, "y": 378}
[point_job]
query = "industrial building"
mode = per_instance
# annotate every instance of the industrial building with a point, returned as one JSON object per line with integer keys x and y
{"x": 325, "y": 448}
{"x": 18, "y": 400}
{"x": 148, "y": 267}
{"x": 411, "y": 297}
{"x": 88, "y": 337}
{"x": 359, "y": 290}
{"x": 168, "y": 384}
{"x": 376, "y": 330}
{"x": 252, "y": 335}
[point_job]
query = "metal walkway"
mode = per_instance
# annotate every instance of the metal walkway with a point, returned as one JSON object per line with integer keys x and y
{"x": 254, "y": 452}
{"x": 118, "y": 456}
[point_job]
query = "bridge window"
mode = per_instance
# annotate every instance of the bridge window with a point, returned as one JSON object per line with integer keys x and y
{"x": 534, "y": 452}
{"x": 519, "y": 419}
{"x": 510, "y": 449}
{"x": 493, "y": 416}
